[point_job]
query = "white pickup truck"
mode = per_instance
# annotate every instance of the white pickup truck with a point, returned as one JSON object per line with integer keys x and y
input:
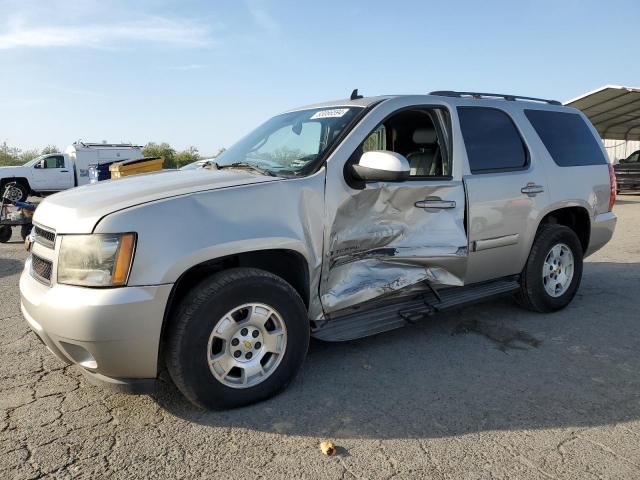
{"x": 54, "y": 172}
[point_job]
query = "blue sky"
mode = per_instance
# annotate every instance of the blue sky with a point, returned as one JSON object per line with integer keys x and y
{"x": 204, "y": 73}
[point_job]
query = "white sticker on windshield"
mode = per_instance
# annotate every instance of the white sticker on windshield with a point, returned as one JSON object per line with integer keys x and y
{"x": 333, "y": 113}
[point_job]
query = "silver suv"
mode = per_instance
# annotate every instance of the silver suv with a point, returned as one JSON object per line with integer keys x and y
{"x": 334, "y": 221}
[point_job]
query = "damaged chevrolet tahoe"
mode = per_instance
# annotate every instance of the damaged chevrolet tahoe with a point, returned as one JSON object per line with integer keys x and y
{"x": 335, "y": 221}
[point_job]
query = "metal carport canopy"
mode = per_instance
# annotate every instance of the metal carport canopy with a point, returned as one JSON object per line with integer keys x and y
{"x": 613, "y": 110}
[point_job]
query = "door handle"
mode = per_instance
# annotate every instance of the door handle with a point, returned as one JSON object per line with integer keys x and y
{"x": 531, "y": 189}
{"x": 435, "y": 203}
{"x": 64, "y": 171}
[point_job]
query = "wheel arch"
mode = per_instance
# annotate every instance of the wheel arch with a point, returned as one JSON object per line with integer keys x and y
{"x": 290, "y": 265}
{"x": 22, "y": 180}
{"x": 574, "y": 216}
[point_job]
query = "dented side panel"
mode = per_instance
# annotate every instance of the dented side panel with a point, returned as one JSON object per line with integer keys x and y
{"x": 377, "y": 243}
{"x": 381, "y": 244}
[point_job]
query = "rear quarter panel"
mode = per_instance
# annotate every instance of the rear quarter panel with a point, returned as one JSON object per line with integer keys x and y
{"x": 585, "y": 186}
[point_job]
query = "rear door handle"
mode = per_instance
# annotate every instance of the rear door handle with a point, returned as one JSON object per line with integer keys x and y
{"x": 435, "y": 203}
{"x": 531, "y": 189}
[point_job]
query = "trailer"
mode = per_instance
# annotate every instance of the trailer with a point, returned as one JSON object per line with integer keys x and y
{"x": 55, "y": 172}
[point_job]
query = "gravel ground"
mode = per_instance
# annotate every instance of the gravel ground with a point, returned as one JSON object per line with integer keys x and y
{"x": 489, "y": 391}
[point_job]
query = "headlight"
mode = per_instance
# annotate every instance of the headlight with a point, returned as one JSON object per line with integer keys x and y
{"x": 98, "y": 260}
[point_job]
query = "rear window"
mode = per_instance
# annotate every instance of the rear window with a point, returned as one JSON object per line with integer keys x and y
{"x": 567, "y": 138}
{"x": 491, "y": 140}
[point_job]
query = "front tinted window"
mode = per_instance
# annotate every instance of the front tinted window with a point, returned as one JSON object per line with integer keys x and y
{"x": 491, "y": 140}
{"x": 567, "y": 138}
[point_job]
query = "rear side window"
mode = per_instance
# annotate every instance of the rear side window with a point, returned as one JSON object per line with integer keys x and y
{"x": 492, "y": 140}
{"x": 567, "y": 138}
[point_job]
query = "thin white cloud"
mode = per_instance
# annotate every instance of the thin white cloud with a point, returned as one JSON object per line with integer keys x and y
{"x": 149, "y": 30}
{"x": 76, "y": 92}
{"x": 262, "y": 17}
{"x": 23, "y": 102}
{"x": 183, "y": 68}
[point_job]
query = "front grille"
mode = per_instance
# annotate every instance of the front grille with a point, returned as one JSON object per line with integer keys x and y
{"x": 41, "y": 269}
{"x": 44, "y": 237}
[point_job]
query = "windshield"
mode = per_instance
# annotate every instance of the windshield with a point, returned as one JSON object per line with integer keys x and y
{"x": 31, "y": 163}
{"x": 288, "y": 143}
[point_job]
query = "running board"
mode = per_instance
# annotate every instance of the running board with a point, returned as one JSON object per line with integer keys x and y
{"x": 383, "y": 316}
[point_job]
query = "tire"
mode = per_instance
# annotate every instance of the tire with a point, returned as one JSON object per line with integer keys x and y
{"x": 193, "y": 338}
{"x": 5, "y": 233}
{"x": 21, "y": 187}
{"x": 533, "y": 294}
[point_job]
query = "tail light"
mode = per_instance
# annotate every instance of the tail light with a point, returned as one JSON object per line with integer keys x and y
{"x": 614, "y": 187}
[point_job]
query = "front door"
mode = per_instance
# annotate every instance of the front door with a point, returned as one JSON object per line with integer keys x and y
{"x": 393, "y": 238}
{"x": 53, "y": 174}
{"x": 505, "y": 192}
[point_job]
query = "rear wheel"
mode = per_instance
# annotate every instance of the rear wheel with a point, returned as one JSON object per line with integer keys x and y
{"x": 237, "y": 338}
{"x": 553, "y": 271}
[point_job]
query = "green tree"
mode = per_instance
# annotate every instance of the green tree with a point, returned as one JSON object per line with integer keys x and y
{"x": 27, "y": 155}
{"x": 49, "y": 149}
{"x": 15, "y": 156}
{"x": 9, "y": 155}
{"x": 187, "y": 156}
{"x": 163, "y": 150}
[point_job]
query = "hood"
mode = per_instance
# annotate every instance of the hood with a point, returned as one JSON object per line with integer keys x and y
{"x": 6, "y": 169}
{"x": 78, "y": 210}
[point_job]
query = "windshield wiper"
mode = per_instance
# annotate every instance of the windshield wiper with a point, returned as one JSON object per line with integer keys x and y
{"x": 248, "y": 165}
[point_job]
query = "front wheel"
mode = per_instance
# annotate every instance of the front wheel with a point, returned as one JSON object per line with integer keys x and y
{"x": 237, "y": 338}
{"x": 17, "y": 192}
{"x": 553, "y": 271}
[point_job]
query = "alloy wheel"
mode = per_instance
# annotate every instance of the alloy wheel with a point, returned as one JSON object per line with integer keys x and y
{"x": 246, "y": 345}
{"x": 557, "y": 271}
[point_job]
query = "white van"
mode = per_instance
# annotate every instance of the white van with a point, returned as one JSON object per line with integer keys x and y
{"x": 54, "y": 172}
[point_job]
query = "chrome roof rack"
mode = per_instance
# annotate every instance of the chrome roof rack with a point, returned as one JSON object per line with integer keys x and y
{"x": 511, "y": 98}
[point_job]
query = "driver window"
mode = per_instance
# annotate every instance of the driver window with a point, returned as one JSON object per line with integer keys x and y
{"x": 54, "y": 162}
{"x": 416, "y": 135}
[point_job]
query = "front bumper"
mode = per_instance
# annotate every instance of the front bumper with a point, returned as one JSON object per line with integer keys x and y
{"x": 113, "y": 334}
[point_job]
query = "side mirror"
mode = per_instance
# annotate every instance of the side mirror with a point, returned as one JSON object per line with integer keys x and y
{"x": 40, "y": 164}
{"x": 381, "y": 166}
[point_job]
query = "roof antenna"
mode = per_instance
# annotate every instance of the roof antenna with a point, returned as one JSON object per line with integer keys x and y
{"x": 354, "y": 95}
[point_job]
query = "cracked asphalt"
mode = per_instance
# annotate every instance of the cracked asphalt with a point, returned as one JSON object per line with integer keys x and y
{"x": 489, "y": 391}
